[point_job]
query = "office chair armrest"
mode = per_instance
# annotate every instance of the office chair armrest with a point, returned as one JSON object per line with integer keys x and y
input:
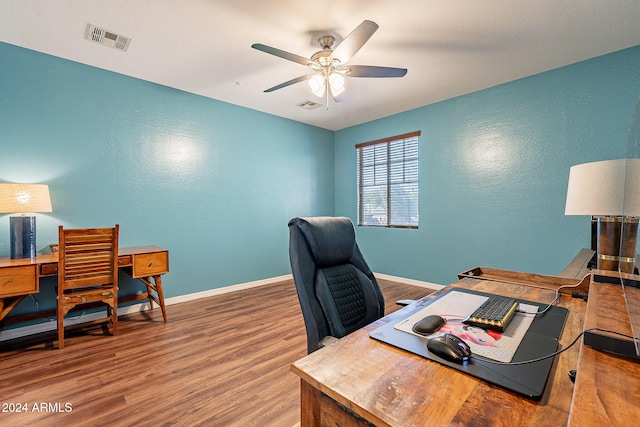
{"x": 327, "y": 341}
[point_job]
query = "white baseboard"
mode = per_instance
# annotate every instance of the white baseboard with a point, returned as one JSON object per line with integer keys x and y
{"x": 51, "y": 325}
{"x": 406, "y": 281}
{"x": 227, "y": 289}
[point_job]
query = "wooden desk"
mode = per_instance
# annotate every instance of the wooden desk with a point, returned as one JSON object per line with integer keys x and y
{"x": 607, "y": 390}
{"x": 359, "y": 381}
{"x": 21, "y": 277}
{"x": 579, "y": 265}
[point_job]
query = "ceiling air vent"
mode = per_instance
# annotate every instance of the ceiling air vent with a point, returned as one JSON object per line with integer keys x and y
{"x": 107, "y": 38}
{"x": 309, "y": 105}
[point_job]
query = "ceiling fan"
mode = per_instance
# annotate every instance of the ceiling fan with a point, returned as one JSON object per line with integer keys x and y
{"x": 329, "y": 65}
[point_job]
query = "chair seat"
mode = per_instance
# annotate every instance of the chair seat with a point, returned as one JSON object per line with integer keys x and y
{"x": 88, "y": 295}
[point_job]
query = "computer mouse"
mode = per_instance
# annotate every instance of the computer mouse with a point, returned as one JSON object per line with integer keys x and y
{"x": 428, "y": 325}
{"x": 449, "y": 347}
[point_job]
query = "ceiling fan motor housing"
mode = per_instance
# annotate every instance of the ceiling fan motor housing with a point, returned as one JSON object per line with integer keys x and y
{"x": 323, "y": 58}
{"x": 326, "y": 42}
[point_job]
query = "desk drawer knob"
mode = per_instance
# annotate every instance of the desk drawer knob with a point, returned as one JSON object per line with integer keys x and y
{"x": 7, "y": 282}
{"x": 150, "y": 264}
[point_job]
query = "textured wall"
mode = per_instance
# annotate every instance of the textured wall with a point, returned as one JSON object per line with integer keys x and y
{"x": 493, "y": 170}
{"x": 214, "y": 183}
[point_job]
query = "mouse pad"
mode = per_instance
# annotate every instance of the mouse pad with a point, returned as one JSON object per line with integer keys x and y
{"x": 455, "y": 307}
{"x": 528, "y": 379}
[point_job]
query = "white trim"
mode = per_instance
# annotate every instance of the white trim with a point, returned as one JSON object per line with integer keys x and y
{"x": 226, "y": 289}
{"x": 406, "y": 281}
{"x": 51, "y": 325}
{"x": 144, "y": 306}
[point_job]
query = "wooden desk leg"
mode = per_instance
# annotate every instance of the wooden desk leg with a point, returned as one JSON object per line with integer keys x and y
{"x": 309, "y": 405}
{"x": 8, "y": 304}
{"x": 158, "y": 297}
{"x": 318, "y": 410}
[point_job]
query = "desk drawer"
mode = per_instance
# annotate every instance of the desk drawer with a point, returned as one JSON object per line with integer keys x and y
{"x": 124, "y": 260}
{"x": 150, "y": 264}
{"x": 18, "y": 281}
{"x": 49, "y": 269}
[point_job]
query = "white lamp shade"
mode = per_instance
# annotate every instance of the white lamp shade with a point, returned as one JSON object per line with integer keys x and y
{"x": 24, "y": 198}
{"x": 609, "y": 187}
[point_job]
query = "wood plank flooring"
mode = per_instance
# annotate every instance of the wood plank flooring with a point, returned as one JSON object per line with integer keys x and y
{"x": 219, "y": 361}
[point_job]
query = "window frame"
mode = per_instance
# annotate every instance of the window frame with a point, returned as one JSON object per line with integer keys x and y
{"x": 389, "y": 186}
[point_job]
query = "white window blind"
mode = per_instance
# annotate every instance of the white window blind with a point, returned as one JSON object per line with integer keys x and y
{"x": 388, "y": 181}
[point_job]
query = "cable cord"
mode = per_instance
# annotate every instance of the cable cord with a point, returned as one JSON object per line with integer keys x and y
{"x": 556, "y": 298}
{"x": 525, "y": 362}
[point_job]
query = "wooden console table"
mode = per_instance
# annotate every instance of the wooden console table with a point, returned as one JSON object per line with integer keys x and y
{"x": 21, "y": 277}
{"x": 607, "y": 389}
{"x": 360, "y": 381}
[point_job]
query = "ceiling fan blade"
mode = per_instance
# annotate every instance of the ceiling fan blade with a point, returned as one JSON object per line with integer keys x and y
{"x": 288, "y": 83}
{"x": 373, "y": 71}
{"x": 354, "y": 41}
{"x": 282, "y": 54}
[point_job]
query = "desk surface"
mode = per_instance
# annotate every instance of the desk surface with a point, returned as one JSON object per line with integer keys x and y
{"x": 21, "y": 277}
{"x": 53, "y": 258}
{"x": 389, "y": 387}
{"x": 607, "y": 389}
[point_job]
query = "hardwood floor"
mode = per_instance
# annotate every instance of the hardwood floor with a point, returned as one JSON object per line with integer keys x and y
{"x": 219, "y": 361}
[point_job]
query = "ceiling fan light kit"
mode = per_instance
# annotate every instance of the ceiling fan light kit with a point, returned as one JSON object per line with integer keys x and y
{"x": 317, "y": 85}
{"x": 329, "y": 64}
{"x": 334, "y": 81}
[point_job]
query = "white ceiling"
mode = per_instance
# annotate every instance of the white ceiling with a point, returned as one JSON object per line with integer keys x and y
{"x": 450, "y": 47}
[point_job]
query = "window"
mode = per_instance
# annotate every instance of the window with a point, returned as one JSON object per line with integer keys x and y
{"x": 388, "y": 181}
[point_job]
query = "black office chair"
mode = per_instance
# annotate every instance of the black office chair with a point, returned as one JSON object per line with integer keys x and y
{"x": 337, "y": 291}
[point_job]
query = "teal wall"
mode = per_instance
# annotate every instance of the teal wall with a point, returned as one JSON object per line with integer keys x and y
{"x": 214, "y": 183}
{"x": 494, "y": 170}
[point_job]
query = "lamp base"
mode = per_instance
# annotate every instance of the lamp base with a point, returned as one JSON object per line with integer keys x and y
{"x": 616, "y": 247}
{"x": 23, "y": 236}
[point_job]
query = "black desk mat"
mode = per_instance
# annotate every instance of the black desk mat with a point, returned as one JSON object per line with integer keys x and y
{"x": 528, "y": 379}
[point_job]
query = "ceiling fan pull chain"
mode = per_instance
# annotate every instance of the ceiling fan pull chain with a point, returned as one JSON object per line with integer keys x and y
{"x": 326, "y": 91}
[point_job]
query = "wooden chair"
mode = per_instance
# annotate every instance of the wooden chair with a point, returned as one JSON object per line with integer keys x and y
{"x": 87, "y": 272}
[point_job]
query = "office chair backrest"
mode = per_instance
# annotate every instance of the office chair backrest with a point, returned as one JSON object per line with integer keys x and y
{"x": 337, "y": 291}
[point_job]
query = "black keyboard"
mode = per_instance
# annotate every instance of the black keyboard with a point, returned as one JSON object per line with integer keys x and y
{"x": 495, "y": 313}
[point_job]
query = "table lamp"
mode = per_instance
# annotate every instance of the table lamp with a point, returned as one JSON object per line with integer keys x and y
{"x": 24, "y": 199}
{"x": 610, "y": 191}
